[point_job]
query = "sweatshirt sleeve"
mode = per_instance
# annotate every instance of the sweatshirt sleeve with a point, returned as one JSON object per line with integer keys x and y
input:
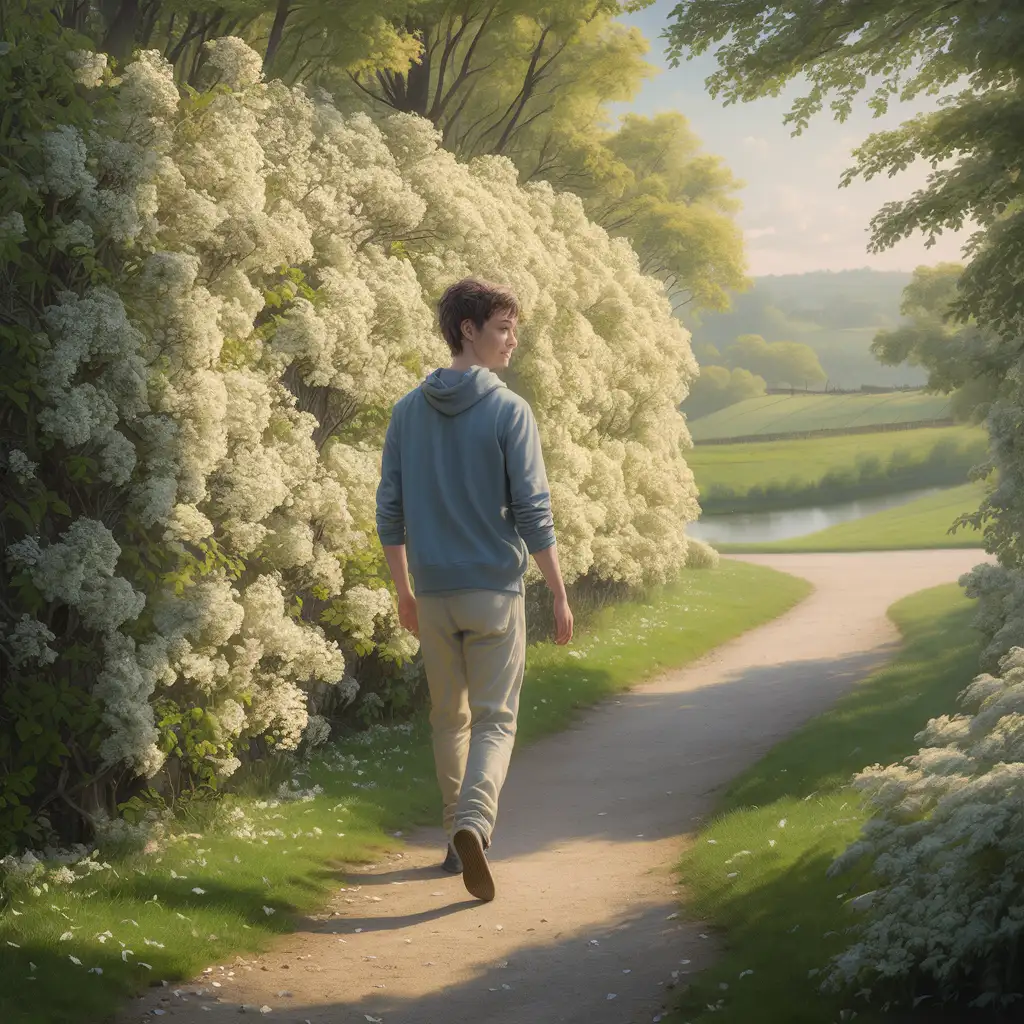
{"x": 390, "y": 514}
{"x": 528, "y": 482}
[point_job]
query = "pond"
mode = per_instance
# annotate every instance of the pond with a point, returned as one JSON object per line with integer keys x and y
{"x": 762, "y": 527}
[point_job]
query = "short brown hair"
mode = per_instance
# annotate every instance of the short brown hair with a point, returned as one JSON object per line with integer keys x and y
{"x": 472, "y": 299}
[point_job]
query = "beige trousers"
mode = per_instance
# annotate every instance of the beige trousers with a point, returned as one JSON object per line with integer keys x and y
{"x": 474, "y": 654}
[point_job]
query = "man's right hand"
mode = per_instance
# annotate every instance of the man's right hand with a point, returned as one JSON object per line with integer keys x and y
{"x": 563, "y": 621}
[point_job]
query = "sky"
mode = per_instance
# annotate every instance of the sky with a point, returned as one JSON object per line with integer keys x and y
{"x": 795, "y": 217}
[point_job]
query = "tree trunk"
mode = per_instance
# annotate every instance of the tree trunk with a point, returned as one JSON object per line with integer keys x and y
{"x": 276, "y": 33}
{"x": 120, "y": 37}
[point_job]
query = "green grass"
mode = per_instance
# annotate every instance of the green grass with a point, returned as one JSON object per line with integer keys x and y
{"x": 795, "y": 414}
{"x": 780, "y": 916}
{"x": 803, "y": 463}
{"x": 296, "y": 854}
{"x": 923, "y": 523}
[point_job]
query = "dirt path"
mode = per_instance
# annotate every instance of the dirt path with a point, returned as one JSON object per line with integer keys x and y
{"x": 593, "y": 821}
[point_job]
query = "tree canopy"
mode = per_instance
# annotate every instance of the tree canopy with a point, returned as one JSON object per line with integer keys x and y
{"x": 778, "y": 362}
{"x": 954, "y": 353}
{"x": 718, "y": 387}
{"x": 899, "y": 49}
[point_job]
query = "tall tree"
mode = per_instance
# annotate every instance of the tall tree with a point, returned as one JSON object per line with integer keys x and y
{"x": 486, "y": 68}
{"x": 675, "y": 204}
{"x": 299, "y": 39}
{"x": 954, "y": 353}
{"x": 778, "y": 362}
{"x": 975, "y": 145}
{"x": 905, "y": 48}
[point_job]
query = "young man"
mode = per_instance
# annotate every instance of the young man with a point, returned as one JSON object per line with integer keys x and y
{"x": 463, "y": 488}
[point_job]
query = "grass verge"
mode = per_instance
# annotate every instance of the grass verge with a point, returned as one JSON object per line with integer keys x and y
{"x": 783, "y": 821}
{"x": 813, "y": 471}
{"x": 919, "y": 524}
{"x": 237, "y": 871}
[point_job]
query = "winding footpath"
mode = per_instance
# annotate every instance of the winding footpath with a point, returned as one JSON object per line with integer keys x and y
{"x": 585, "y": 927}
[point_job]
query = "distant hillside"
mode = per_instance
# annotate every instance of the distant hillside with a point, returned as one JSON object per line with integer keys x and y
{"x": 837, "y": 313}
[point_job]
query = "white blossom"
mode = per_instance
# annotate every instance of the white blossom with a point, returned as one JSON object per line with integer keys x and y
{"x": 89, "y": 67}
{"x": 12, "y": 227}
{"x": 23, "y": 468}
{"x": 29, "y": 641}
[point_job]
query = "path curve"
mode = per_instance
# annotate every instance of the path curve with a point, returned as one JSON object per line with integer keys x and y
{"x": 592, "y": 822}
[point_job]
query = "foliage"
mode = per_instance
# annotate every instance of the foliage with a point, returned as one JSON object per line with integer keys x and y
{"x": 953, "y": 353}
{"x": 194, "y": 444}
{"x": 534, "y": 81}
{"x": 795, "y": 473}
{"x": 653, "y": 185}
{"x": 528, "y": 79}
{"x": 718, "y": 387}
{"x": 297, "y": 41}
{"x": 945, "y": 844}
{"x": 778, "y": 362}
{"x": 68, "y": 497}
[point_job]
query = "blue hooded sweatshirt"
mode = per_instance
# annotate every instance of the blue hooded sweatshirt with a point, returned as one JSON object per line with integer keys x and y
{"x": 463, "y": 484}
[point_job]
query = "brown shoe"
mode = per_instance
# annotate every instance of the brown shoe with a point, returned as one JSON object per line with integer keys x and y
{"x": 476, "y": 874}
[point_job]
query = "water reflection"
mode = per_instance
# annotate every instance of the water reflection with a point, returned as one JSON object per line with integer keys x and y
{"x": 761, "y": 527}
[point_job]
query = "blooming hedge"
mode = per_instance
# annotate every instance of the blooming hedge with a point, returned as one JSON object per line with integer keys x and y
{"x": 946, "y": 844}
{"x": 231, "y": 286}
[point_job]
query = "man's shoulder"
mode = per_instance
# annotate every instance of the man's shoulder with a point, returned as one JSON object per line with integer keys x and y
{"x": 407, "y": 399}
{"x": 506, "y": 398}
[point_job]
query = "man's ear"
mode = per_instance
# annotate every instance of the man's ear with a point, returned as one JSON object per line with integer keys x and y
{"x": 468, "y": 329}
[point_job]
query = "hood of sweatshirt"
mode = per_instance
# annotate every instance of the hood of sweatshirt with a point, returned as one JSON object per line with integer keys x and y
{"x": 452, "y": 399}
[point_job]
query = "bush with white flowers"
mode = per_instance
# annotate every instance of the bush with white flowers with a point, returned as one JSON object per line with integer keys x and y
{"x": 946, "y": 844}
{"x": 248, "y": 285}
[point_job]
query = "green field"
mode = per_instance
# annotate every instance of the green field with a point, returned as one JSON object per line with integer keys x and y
{"x": 797, "y": 414}
{"x": 918, "y": 524}
{"x": 238, "y": 871}
{"x": 758, "y": 872}
{"x": 891, "y": 461}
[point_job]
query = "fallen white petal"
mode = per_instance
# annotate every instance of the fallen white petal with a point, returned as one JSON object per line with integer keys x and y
{"x": 268, "y": 911}
{"x": 66, "y": 936}
{"x": 199, "y": 892}
{"x": 610, "y": 996}
{"x": 75, "y": 961}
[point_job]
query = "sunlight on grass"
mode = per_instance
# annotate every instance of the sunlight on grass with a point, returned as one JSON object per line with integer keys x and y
{"x": 758, "y": 871}
{"x": 238, "y": 871}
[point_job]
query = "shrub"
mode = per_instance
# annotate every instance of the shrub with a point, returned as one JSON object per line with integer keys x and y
{"x": 215, "y": 296}
{"x": 946, "y": 848}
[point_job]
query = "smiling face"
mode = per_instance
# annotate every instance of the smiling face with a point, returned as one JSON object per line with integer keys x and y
{"x": 491, "y": 345}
